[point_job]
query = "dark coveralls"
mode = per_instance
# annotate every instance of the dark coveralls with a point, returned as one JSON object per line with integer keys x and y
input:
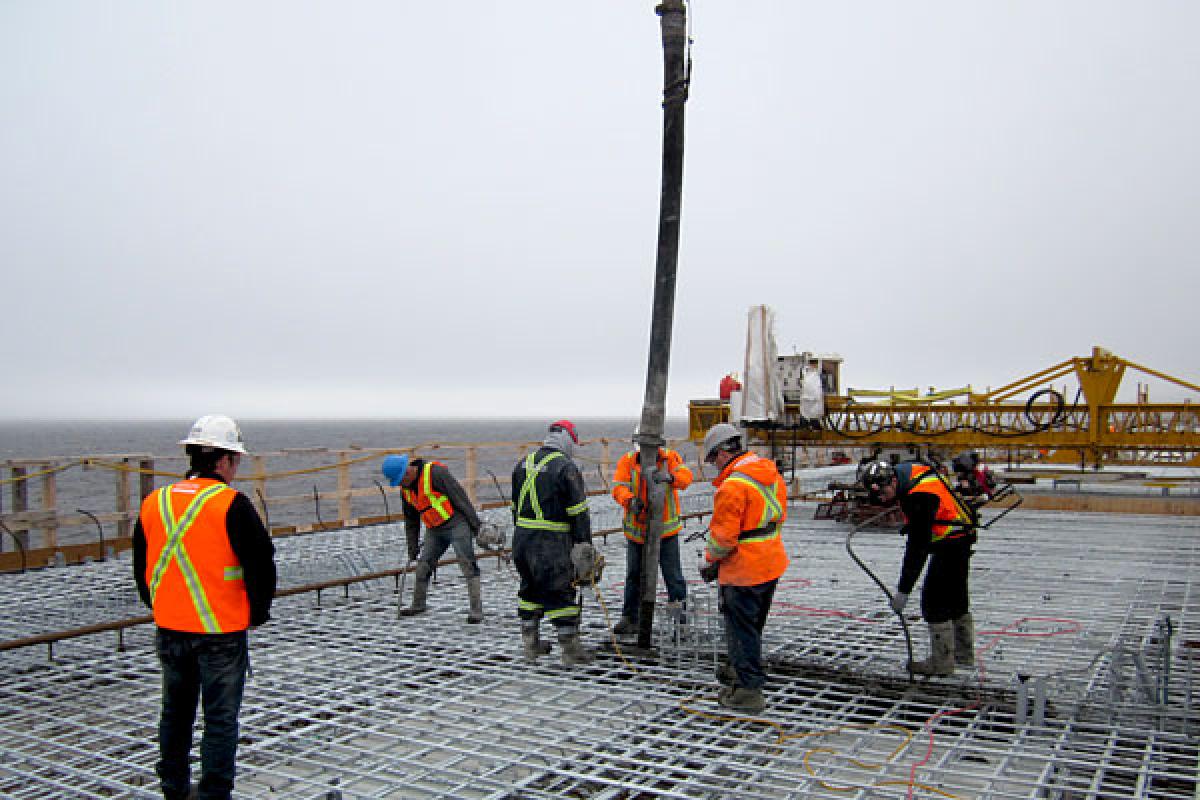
{"x": 550, "y": 512}
{"x": 945, "y": 593}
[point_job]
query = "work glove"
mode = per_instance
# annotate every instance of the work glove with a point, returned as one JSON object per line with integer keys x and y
{"x": 663, "y": 476}
{"x": 899, "y": 601}
{"x": 636, "y": 506}
{"x": 587, "y": 562}
{"x": 490, "y": 537}
{"x": 709, "y": 571}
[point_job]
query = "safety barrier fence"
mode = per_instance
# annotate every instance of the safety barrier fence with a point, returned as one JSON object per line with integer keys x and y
{"x": 55, "y": 511}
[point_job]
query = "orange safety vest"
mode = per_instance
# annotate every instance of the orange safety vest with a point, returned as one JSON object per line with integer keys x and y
{"x": 434, "y": 507}
{"x": 954, "y": 519}
{"x": 195, "y": 579}
{"x": 627, "y": 483}
{"x": 749, "y": 510}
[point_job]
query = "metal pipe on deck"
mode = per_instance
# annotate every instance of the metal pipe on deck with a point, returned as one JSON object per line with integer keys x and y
{"x": 673, "y": 21}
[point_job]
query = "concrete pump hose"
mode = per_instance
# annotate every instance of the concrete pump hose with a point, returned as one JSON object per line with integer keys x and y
{"x": 886, "y": 592}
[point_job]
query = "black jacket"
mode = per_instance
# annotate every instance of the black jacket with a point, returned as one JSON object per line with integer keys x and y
{"x": 561, "y": 494}
{"x": 251, "y": 544}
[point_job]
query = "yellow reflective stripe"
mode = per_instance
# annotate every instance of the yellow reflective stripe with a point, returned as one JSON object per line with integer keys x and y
{"x": 715, "y": 548}
{"x": 544, "y": 524}
{"x": 529, "y": 491}
{"x": 626, "y": 484}
{"x": 526, "y": 605}
{"x": 234, "y": 573}
{"x": 764, "y": 538}
{"x": 174, "y": 530}
{"x": 566, "y": 611}
{"x": 771, "y": 509}
{"x": 175, "y": 550}
{"x": 578, "y": 508}
{"x": 441, "y": 503}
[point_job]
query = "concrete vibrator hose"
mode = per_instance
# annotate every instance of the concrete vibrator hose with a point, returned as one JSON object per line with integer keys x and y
{"x": 887, "y": 593}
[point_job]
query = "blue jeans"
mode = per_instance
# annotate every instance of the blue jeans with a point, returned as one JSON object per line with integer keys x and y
{"x": 672, "y": 572}
{"x": 211, "y": 666}
{"x": 745, "y": 609}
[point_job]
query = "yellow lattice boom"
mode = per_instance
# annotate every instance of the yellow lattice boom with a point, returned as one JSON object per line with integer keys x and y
{"x": 1027, "y": 415}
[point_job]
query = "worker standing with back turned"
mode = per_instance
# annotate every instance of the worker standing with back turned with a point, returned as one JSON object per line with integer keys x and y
{"x": 940, "y": 529}
{"x": 745, "y": 554}
{"x": 552, "y": 543}
{"x": 204, "y": 563}
{"x": 629, "y": 490}
{"x": 433, "y": 496}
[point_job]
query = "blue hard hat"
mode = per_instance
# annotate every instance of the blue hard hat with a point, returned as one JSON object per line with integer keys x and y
{"x": 394, "y": 467}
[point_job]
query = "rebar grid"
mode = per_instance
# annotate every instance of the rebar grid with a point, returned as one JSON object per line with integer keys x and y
{"x": 346, "y": 700}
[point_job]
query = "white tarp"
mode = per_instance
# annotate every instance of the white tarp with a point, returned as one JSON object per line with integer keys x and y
{"x": 812, "y": 393}
{"x": 762, "y": 390}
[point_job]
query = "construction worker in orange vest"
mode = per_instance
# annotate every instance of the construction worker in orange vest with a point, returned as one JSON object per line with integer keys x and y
{"x": 745, "y": 554}
{"x": 629, "y": 490}
{"x": 434, "y": 497}
{"x": 205, "y": 564}
{"x": 940, "y": 528}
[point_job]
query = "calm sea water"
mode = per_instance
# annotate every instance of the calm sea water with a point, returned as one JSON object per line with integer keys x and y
{"x": 94, "y": 489}
{"x": 66, "y": 438}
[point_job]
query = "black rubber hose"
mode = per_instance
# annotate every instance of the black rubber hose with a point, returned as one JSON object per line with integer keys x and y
{"x": 887, "y": 593}
{"x": 99, "y": 528}
{"x": 386, "y": 509}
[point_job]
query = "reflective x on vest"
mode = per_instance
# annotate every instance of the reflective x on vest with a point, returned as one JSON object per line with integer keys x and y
{"x": 529, "y": 492}
{"x": 175, "y": 551}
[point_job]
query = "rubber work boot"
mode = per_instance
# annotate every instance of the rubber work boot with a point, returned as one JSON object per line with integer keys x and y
{"x": 420, "y": 592}
{"x": 573, "y": 651}
{"x": 533, "y": 645}
{"x": 941, "y": 652}
{"x": 625, "y": 626}
{"x": 964, "y": 640}
{"x": 475, "y": 597}
{"x": 742, "y": 699}
{"x": 726, "y": 674}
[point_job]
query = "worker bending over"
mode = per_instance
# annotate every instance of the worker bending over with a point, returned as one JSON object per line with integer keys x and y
{"x": 745, "y": 554}
{"x": 630, "y": 492}
{"x": 433, "y": 496}
{"x": 552, "y": 543}
{"x": 940, "y": 529}
{"x": 204, "y": 563}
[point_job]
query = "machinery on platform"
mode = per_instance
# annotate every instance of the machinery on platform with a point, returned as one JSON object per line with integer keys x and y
{"x": 1028, "y": 420}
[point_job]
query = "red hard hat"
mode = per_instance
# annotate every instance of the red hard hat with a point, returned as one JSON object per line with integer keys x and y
{"x": 568, "y": 426}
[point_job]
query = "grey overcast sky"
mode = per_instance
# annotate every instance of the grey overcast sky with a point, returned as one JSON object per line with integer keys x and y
{"x": 450, "y": 208}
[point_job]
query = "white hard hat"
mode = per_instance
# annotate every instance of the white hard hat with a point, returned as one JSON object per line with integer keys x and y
{"x": 216, "y": 430}
{"x": 718, "y": 435}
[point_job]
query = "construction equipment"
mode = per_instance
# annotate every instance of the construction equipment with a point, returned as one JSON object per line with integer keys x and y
{"x": 1026, "y": 420}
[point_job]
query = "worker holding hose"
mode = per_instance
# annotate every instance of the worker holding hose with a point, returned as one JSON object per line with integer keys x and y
{"x": 630, "y": 492}
{"x": 940, "y": 529}
{"x": 745, "y": 554}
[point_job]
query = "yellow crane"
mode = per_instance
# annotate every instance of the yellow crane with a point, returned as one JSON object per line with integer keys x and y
{"x": 1028, "y": 416}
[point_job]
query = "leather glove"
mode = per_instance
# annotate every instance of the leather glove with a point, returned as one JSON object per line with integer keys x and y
{"x": 663, "y": 476}
{"x": 489, "y": 537}
{"x": 636, "y": 506}
{"x": 587, "y": 562}
{"x": 899, "y": 601}
{"x": 709, "y": 571}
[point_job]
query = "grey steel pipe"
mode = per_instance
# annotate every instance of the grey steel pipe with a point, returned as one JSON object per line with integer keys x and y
{"x": 673, "y": 21}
